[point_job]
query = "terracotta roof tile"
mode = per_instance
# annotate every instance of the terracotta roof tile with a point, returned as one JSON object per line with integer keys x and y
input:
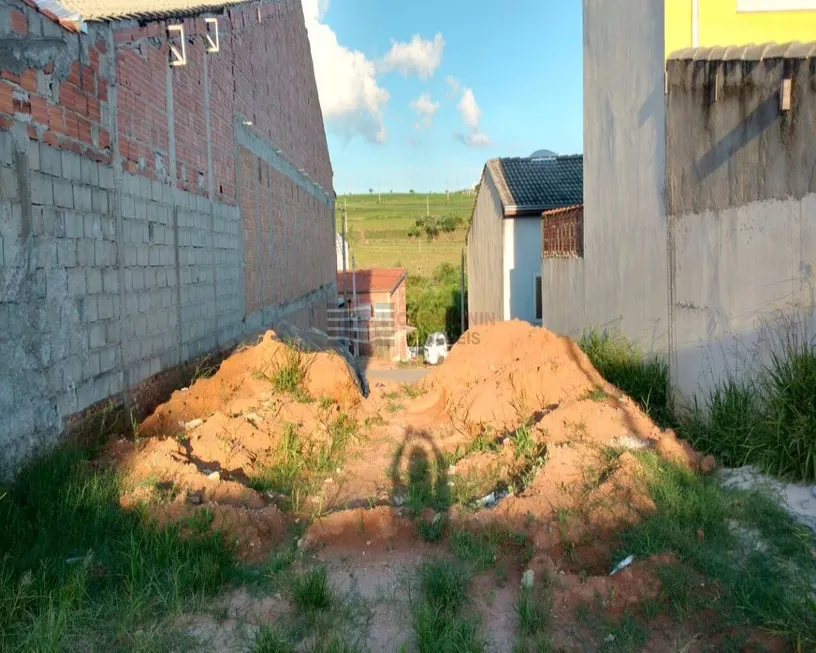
{"x": 372, "y": 280}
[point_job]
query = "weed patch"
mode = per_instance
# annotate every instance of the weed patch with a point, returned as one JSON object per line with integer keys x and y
{"x": 288, "y": 373}
{"x": 269, "y": 640}
{"x": 762, "y": 581}
{"x": 645, "y": 379}
{"x": 301, "y": 463}
{"x": 79, "y": 573}
{"x": 440, "y": 620}
{"x": 311, "y": 591}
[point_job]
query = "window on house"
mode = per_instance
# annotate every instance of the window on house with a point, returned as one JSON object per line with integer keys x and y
{"x": 539, "y": 312}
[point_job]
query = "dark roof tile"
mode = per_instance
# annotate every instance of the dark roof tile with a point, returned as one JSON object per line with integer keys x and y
{"x": 540, "y": 183}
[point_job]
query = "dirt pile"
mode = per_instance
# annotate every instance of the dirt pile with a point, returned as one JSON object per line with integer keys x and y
{"x": 516, "y": 426}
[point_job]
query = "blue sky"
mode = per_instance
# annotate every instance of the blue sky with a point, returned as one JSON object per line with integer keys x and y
{"x": 423, "y": 92}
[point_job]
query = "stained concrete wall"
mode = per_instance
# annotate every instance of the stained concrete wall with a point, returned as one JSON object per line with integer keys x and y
{"x": 742, "y": 200}
{"x": 621, "y": 282}
{"x": 123, "y": 213}
{"x": 485, "y": 259}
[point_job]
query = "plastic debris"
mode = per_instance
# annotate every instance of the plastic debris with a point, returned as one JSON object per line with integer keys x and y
{"x": 628, "y": 560}
{"x": 193, "y": 423}
{"x": 528, "y": 578}
{"x": 490, "y": 500}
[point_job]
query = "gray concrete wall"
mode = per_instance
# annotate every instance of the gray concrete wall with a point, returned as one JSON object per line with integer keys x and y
{"x": 742, "y": 199}
{"x": 485, "y": 259}
{"x": 622, "y": 282}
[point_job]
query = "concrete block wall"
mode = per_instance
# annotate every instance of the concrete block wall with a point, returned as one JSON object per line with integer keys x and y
{"x": 127, "y": 245}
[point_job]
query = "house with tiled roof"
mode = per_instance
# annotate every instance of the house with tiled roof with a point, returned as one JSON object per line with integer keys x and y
{"x": 505, "y": 236}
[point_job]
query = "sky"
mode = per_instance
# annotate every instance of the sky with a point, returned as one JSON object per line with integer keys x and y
{"x": 418, "y": 94}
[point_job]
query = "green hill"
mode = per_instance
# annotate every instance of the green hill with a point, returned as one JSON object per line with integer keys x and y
{"x": 377, "y": 229}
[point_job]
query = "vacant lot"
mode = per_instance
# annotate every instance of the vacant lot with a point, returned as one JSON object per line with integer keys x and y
{"x": 271, "y": 508}
{"x": 378, "y": 226}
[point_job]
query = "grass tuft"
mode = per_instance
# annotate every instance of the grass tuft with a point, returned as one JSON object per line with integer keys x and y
{"x": 311, "y": 591}
{"x": 289, "y": 372}
{"x": 440, "y": 621}
{"x": 269, "y": 640}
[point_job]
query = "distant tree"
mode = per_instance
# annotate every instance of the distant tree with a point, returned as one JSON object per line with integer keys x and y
{"x": 449, "y": 223}
{"x": 411, "y": 191}
{"x": 370, "y": 190}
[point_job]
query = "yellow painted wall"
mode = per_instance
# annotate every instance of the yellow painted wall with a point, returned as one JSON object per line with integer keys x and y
{"x": 721, "y": 24}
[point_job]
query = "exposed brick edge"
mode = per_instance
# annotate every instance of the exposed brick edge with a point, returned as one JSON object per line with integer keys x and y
{"x": 562, "y": 232}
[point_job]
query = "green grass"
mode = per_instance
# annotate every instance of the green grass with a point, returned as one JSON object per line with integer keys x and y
{"x": 756, "y": 559}
{"x": 269, "y": 640}
{"x": 645, "y": 379}
{"x": 378, "y": 227}
{"x": 432, "y": 530}
{"x": 79, "y": 573}
{"x": 769, "y": 421}
{"x": 479, "y": 548}
{"x": 533, "y": 607}
{"x": 301, "y": 463}
{"x": 311, "y": 591}
{"x": 288, "y": 373}
{"x": 441, "y": 621}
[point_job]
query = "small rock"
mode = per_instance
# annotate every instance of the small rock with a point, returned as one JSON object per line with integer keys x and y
{"x": 253, "y": 418}
{"x": 528, "y": 578}
{"x": 301, "y": 543}
{"x": 329, "y": 480}
{"x": 193, "y": 424}
{"x": 398, "y": 500}
{"x": 185, "y": 389}
{"x": 609, "y": 638}
{"x": 215, "y": 476}
{"x": 452, "y": 469}
{"x": 368, "y": 542}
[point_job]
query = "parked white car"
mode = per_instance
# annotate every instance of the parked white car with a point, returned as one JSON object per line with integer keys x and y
{"x": 436, "y": 348}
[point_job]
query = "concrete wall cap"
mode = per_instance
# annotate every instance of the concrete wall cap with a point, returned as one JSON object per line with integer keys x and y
{"x": 751, "y": 52}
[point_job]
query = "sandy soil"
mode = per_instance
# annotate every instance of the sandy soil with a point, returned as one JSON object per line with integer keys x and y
{"x": 204, "y": 445}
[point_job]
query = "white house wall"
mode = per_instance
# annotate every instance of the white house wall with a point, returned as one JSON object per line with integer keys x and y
{"x": 522, "y": 264}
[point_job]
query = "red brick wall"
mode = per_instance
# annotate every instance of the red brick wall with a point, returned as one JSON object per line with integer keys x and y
{"x": 563, "y": 233}
{"x": 263, "y": 72}
{"x": 64, "y": 110}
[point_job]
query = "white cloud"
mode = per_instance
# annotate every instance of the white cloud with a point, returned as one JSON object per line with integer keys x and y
{"x": 477, "y": 139}
{"x": 470, "y": 113}
{"x": 425, "y": 108}
{"x": 418, "y": 56}
{"x": 453, "y": 86}
{"x": 351, "y": 99}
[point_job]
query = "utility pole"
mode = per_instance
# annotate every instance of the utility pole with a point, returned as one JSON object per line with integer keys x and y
{"x": 427, "y": 207}
{"x": 354, "y": 301}
{"x": 379, "y": 192}
{"x": 343, "y": 247}
{"x": 462, "y": 294}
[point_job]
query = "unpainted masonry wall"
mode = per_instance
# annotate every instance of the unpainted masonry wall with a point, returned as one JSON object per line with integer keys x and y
{"x": 123, "y": 250}
{"x": 741, "y": 193}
